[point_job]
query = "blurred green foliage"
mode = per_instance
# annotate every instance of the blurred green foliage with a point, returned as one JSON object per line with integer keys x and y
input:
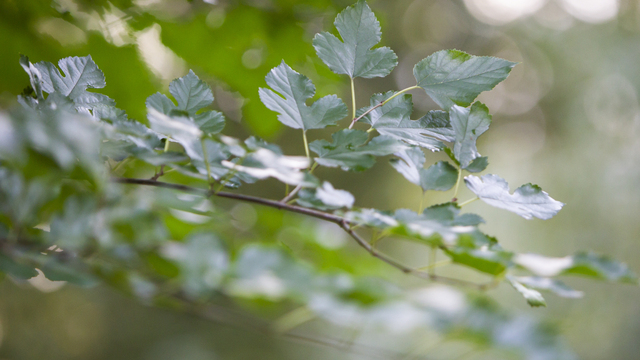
{"x": 568, "y": 118}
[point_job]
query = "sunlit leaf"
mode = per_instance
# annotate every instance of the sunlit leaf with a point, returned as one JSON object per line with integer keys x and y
{"x": 468, "y": 124}
{"x": 555, "y": 286}
{"x": 80, "y": 74}
{"x": 265, "y": 163}
{"x": 583, "y": 263}
{"x": 360, "y": 31}
{"x": 296, "y": 89}
{"x": 325, "y": 198}
{"x": 527, "y": 201}
{"x": 533, "y": 297}
{"x": 452, "y": 77}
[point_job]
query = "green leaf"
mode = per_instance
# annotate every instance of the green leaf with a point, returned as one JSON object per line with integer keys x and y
{"x": 35, "y": 78}
{"x": 360, "y": 31}
{"x": 16, "y": 269}
{"x": 348, "y": 149}
{"x": 488, "y": 259}
{"x": 468, "y": 124}
{"x": 203, "y": 262}
{"x": 452, "y": 77}
{"x": 478, "y": 164}
{"x": 441, "y": 176}
{"x": 177, "y": 128}
{"x": 440, "y": 224}
{"x": 555, "y": 286}
{"x": 80, "y": 74}
{"x": 393, "y": 119}
{"x": 296, "y": 89}
{"x": 583, "y": 263}
{"x": 265, "y": 272}
{"x": 533, "y": 297}
{"x": 265, "y": 163}
{"x": 193, "y": 95}
{"x": 325, "y": 198}
{"x": 527, "y": 201}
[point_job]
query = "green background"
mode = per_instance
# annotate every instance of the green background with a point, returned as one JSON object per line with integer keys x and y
{"x": 568, "y": 119}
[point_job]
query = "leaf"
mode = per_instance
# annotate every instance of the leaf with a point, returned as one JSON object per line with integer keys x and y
{"x": 468, "y": 124}
{"x": 452, "y": 77}
{"x": 296, "y": 89}
{"x": 583, "y": 263}
{"x": 265, "y": 163}
{"x": 265, "y": 272}
{"x": 35, "y": 78}
{"x": 360, "y": 31}
{"x": 478, "y": 164}
{"x": 348, "y": 149}
{"x": 555, "y": 286}
{"x": 16, "y": 269}
{"x": 179, "y": 128}
{"x": 80, "y": 74}
{"x": 203, "y": 262}
{"x": 325, "y": 198}
{"x": 393, "y": 119}
{"x": 489, "y": 259}
{"x": 436, "y": 225}
{"x": 527, "y": 201}
{"x": 193, "y": 95}
{"x": 441, "y": 176}
{"x": 533, "y": 297}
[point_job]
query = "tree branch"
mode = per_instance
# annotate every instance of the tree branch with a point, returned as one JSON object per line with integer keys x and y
{"x": 339, "y": 220}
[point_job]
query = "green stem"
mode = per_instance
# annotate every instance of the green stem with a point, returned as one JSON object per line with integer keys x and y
{"x": 293, "y": 319}
{"x": 455, "y": 193}
{"x": 355, "y": 119}
{"x": 353, "y": 100}
{"x": 166, "y": 144}
{"x": 121, "y": 164}
{"x": 306, "y": 143}
{"x": 468, "y": 201}
{"x": 435, "y": 265}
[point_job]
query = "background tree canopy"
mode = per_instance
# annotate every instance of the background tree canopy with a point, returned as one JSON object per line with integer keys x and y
{"x": 566, "y": 119}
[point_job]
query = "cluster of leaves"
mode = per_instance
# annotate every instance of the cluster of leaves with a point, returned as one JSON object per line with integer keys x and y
{"x": 65, "y": 211}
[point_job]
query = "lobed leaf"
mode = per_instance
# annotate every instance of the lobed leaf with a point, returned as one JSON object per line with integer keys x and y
{"x": 393, "y": 119}
{"x": 325, "y": 198}
{"x": 292, "y": 109}
{"x": 555, "y": 286}
{"x": 440, "y": 176}
{"x": 583, "y": 263}
{"x": 527, "y": 201}
{"x": 193, "y": 95}
{"x": 265, "y": 163}
{"x": 360, "y": 31}
{"x": 533, "y": 297}
{"x": 452, "y": 77}
{"x": 80, "y": 74}
{"x": 468, "y": 124}
{"x": 349, "y": 152}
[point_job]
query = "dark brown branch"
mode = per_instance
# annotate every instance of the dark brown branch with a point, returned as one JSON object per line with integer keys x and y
{"x": 340, "y": 221}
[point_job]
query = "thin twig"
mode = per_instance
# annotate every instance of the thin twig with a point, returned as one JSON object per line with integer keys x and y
{"x": 382, "y": 103}
{"x": 158, "y": 174}
{"x": 339, "y": 220}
